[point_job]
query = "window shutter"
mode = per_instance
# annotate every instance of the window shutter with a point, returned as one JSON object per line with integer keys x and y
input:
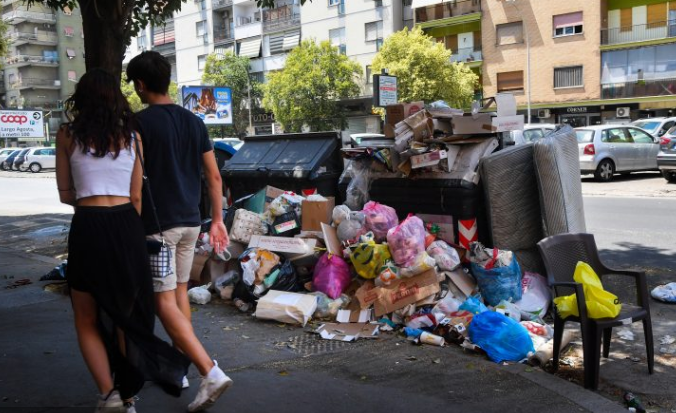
{"x": 277, "y": 44}
{"x": 626, "y": 20}
{"x": 510, "y": 33}
{"x": 291, "y": 40}
{"x": 371, "y": 32}
{"x": 510, "y": 81}
{"x": 657, "y": 15}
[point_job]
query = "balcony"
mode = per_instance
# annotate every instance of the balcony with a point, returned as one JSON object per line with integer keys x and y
{"x": 40, "y": 38}
{"x": 448, "y": 13}
{"x": 248, "y": 27}
{"x": 165, "y": 49}
{"x": 220, "y": 4}
{"x": 21, "y": 60}
{"x": 467, "y": 55}
{"x": 662, "y": 30}
{"x": 281, "y": 18}
{"x": 643, "y": 88}
{"x": 20, "y": 16}
{"x": 35, "y": 83}
{"x": 223, "y": 35}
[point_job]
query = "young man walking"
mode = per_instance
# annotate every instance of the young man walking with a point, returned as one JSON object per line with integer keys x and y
{"x": 177, "y": 149}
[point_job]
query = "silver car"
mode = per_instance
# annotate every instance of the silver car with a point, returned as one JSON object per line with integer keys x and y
{"x": 607, "y": 149}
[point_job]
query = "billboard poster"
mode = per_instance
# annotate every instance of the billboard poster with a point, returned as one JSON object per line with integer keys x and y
{"x": 212, "y": 104}
{"x": 21, "y": 124}
{"x": 385, "y": 90}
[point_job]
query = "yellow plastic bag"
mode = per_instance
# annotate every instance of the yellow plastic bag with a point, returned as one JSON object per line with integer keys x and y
{"x": 600, "y": 303}
{"x": 368, "y": 257}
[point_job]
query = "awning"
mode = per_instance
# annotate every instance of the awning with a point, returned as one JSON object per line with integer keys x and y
{"x": 71, "y": 53}
{"x": 424, "y": 3}
{"x": 250, "y": 47}
{"x": 291, "y": 40}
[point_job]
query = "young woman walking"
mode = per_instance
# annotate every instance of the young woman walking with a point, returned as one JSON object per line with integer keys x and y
{"x": 99, "y": 173}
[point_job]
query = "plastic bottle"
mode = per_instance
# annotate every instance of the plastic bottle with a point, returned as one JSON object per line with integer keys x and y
{"x": 633, "y": 401}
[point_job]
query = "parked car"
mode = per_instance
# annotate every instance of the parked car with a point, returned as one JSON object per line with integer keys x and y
{"x": 607, "y": 149}
{"x": 38, "y": 159}
{"x": 666, "y": 158}
{"x": 655, "y": 126}
{"x": 8, "y": 164}
{"x": 531, "y": 132}
{"x": 5, "y": 154}
{"x": 20, "y": 159}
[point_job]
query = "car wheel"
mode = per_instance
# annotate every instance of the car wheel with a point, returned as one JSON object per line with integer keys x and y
{"x": 35, "y": 167}
{"x": 605, "y": 171}
{"x": 669, "y": 176}
{"x": 3, "y": 166}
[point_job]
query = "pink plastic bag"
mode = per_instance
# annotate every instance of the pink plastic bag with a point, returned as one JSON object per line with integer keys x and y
{"x": 407, "y": 241}
{"x": 331, "y": 276}
{"x": 380, "y": 219}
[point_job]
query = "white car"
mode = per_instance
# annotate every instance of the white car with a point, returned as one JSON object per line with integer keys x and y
{"x": 38, "y": 159}
{"x": 531, "y": 132}
{"x": 655, "y": 126}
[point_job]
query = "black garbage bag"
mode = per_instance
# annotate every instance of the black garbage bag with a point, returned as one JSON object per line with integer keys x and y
{"x": 286, "y": 280}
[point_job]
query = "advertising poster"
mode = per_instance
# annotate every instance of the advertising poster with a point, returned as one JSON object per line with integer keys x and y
{"x": 21, "y": 124}
{"x": 212, "y": 104}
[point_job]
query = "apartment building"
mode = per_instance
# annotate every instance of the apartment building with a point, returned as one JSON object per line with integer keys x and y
{"x": 44, "y": 61}
{"x": 357, "y": 28}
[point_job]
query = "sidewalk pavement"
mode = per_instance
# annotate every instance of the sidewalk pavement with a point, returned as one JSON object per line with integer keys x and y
{"x": 281, "y": 368}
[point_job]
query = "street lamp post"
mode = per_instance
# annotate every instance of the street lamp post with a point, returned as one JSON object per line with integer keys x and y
{"x": 525, "y": 29}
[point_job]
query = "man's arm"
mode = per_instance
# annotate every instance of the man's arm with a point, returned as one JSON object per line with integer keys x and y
{"x": 218, "y": 236}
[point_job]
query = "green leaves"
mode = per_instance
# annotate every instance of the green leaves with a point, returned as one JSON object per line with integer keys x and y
{"x": 307, "y": 90}
{"x": 424, "y": 69}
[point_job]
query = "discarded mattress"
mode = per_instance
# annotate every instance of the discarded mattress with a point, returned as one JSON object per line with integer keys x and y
{"x": 557, "y": 168}
{"x": 513, "y": 204}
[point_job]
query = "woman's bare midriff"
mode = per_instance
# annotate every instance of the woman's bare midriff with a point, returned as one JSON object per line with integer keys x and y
{"x": 103, "y": 200}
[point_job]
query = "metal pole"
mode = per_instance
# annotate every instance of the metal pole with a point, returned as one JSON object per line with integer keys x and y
{"x": 248, "y": 92}
{"x": 527, "y": 69}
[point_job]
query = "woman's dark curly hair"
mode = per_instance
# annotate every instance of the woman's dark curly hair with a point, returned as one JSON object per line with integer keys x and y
{"x": 99, "y": 114}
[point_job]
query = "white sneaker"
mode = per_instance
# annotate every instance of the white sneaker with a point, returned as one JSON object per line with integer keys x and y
{"x": 131, "y": 407}
{"x": 211, "y": 388}
{"x": 110, "y": 404}
{"x": 186, "y": 383}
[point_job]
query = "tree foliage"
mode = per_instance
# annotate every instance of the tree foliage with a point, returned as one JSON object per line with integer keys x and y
{"x": 4, "y": 43}
{"x": 307, "y": 90}
{"x": 424, "y": 70}
{"x": 232, "y": 71}
{"x": 109, "y": 25}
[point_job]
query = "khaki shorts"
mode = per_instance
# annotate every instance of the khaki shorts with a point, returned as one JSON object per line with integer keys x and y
{"x": 181, "y": 242}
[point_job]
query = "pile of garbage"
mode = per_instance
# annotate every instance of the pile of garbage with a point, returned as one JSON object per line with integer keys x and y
{"x": 295, "y": 258}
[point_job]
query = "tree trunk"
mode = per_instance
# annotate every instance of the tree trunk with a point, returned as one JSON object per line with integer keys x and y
{"x": 103, "y": 24}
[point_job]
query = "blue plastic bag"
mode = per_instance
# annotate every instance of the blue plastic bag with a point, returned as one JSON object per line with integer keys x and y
{"x": 502, "y": 338}
{"x": 499, "y": 283}
{"x": 473, "y": 305}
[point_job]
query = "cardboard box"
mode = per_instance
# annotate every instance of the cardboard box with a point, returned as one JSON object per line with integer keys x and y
{"x": 314, "y": 213}
{"x": 406, "y": 291}
{"x": 463, "y": 281}
{"x": 333, "y": 245}
{"x": 428, "y": 159}
{"x": 348, "y": 331}
{"x": 396, "y": 113}
{"x": 282, "y": 245}
{"x": 198, "y": 264}
{"x": 354, "y": 316}
{"x": 468, "y": 125}
{"x": 507, "y": 123}
{"x": 367, "y": 294}
{"x": 292, "y": 308}
{"x": 261, "y": 200}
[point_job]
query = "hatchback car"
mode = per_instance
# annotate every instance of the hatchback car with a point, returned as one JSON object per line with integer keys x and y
{"x": 666, "y": 158}
{"x": 655, "y": 126}
{"x": 20, "y": 160}
{"x": 7, "y": 161}
{"x": 607, "y": 149}
{"x": 531, "y": 132}
{"x": 38, "y": 159}
{"x": 4, "y": 153}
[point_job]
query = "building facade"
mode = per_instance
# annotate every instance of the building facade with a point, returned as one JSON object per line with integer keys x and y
{"x": 44, "y": 61}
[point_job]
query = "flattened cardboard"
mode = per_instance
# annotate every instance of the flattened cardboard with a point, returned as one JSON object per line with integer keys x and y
{"x": 314, "y": 213}
{"x": 198, "y": 264}
{"x": 406, "y": 291}
{"x": 279, "y": 244}
{"x": 333, "y": 245}
{"x": 350, "y": 316}
{"x": 463, "y": 281}
{"x": 367, "y": 294}
{"x": 507, "y": 123}
{"x": 428, "y": 159}
{"x": 348, "y": 331}
{"x": 396, "y": 113}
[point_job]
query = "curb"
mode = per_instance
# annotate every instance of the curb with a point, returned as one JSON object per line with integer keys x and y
{"x": 32, "y": 256}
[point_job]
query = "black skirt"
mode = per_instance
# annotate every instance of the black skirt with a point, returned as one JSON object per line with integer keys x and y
{"x": 107, "y": 258}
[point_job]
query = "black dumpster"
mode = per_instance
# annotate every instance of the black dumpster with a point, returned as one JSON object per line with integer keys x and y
{"x": 292, "y": 162}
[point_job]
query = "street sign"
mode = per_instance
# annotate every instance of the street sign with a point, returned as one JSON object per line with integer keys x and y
{"x": 384, "y": 90}
{"x": 211, "y": 104}
{"x": 21, "y": 124}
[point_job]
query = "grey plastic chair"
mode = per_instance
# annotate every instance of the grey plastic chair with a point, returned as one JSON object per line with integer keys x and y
{"x": 561, "y": 254}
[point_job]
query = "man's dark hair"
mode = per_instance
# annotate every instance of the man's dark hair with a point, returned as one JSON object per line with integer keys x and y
{"x": 153, "y": 69}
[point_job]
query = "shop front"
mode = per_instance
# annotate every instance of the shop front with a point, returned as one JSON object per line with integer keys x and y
{"x": 577, "y": 116}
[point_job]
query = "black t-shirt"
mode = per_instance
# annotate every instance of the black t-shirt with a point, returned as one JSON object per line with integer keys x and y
{"x": 174, "y": 140}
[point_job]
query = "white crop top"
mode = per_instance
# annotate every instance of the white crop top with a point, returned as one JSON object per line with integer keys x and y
{"x": 108, "y": 175}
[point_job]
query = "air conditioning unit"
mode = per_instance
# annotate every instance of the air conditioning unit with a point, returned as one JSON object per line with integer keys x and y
{"x": 544, "y": 113}
{"x": 622, "y": 112}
